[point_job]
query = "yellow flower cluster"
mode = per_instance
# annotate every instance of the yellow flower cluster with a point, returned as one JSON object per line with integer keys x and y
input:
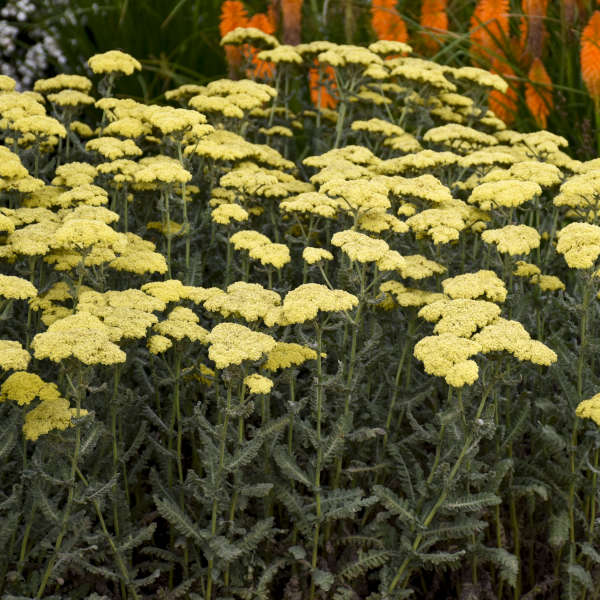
{"x": 579, "y": 243}
{"x": 589, "y": 409}
{"x": 232, "y": 344}
{"x": 474, "y": 285}
{"x": 513, "y": 239}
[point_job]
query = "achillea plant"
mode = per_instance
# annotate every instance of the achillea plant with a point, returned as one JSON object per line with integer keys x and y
{"x": 259, "y": 347}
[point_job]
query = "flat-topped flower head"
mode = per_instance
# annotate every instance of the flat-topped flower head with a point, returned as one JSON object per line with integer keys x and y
{"x": 232, "y": 344}
{"x": 248, "y": 239}
{"x": 70, "y": 99}
{"x": 171, "y": 290}
{"x": 443, "y": 225}
{"x": 387, "y": 47}
{"x": 139, "y": 257}
{"x": 113, "y": 148}
{"x": 281, "y": 54}
{"x": 249, "y": 35}
{"x": 417, "y": 266}
{"x": 16, "y": 288}
{"x": 315, "y": 203}
{"x": 461, "y": 317}
{"x": 580, "y": 191}
{"x": 474, "y": 285}
{"x": 505, "y": 193}
{"x": 285, "y": 355}
{"x": 182, "y": 323}
{"x": 51, "y": 414}
{"x": 425, "y": 187}
{"x": 547, "y": 283}
{"x": 315, "y": 255}
{"x": 81, "y": 336}
{"x": 114, "y": 62}
{"x": 23, "y": 388}
{"x": 513, "y": 239}
{"x": 360, "y": 247}
{"x": 63, "y": 81}
{"x": 275, "y": 255}
{"x": 304, "y": 303}
{"x": 249, "y": 300}
{"x": 447, "y": 355}
{"x": 525, "y": 269}
{"x": 79, "y": 234}
{"x": 589, "y": 409}
{"x": 406, "y": 296}
{"x": 579, "y": 243}
{"x": 40, "y": 126}
{"x": 511, "y": 336}
{"x": 455, "y": 136}
{"x": 480, "y": 77}
{"x": 157, "y": 344}
{"x": 225, "y": 213}
{"x": 7, "y": 84}
{"x": 13, "y": 356}
{"x": 258, "y": 384}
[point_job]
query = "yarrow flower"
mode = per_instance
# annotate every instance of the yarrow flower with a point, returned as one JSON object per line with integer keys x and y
{"x": 258, "y": 384}
{"x": 579, "y": 243}
{"x": 589, "y": 409}
{"x": 304, "y": 303}
{"x": 232, "y": 344}
{"x": 513, "y": 239}
{"x": 473, "y": 285}
{"x": 447, "y": 355}
{"x": 114, "y": 61}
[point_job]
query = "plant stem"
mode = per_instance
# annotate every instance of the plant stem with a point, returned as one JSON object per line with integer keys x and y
{"x": 315, "y": 550}
{"x": 69, "y": 505}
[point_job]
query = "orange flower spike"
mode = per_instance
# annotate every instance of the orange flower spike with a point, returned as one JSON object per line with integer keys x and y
{"x": 434, "y": 19}
{"x": 262, "y": 69}
{"x": 233, "y": 14}
{"x": 538, "y": 93}
{"x": 590, "y": 57}
{"x": 321, "y": 79}
{"x": 386, "y": 22}
{"x": 292, "y": 24}
{"x": 504, "y": 104}
{"x": 489, "y": 30}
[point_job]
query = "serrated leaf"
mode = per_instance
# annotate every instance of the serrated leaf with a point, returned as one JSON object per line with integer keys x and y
{"x": 322, "y": 579}
{"x": 174, "y": 515}
{"x": 507, "y": 563}
{"x": 588, "y": 550}
{"x": 258, "y": 490}
{"x": 559, "y": 529}
{"x": 581, "y": 575}
{"x": 224, "y": 549}
{"x": 365, "y": 562}
{"x": 472, "y": 503}
{"x": 395, "y": 505}
{"x": 289, "y": 466}
{"x": 441, "y": 558}
{"x": 298, "y": 552}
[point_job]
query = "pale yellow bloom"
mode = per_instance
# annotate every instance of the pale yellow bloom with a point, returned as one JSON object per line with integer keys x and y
{"x": 232, "y": 344}
{"x": 114, "y": 61}
{"x": 589, "y": 409}
{"x": 16, "y": 288}
{"x": 513, "y": 239}
{"x": 579, "y": 243}
{"x": 258, "y": 384}
{"x": 13, "y": 356}
{"x": 314, "y": 255}
{"x": 473, "y": 285}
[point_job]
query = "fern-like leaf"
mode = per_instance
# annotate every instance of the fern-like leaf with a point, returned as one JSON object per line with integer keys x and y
{"x": 365, "y": 562}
